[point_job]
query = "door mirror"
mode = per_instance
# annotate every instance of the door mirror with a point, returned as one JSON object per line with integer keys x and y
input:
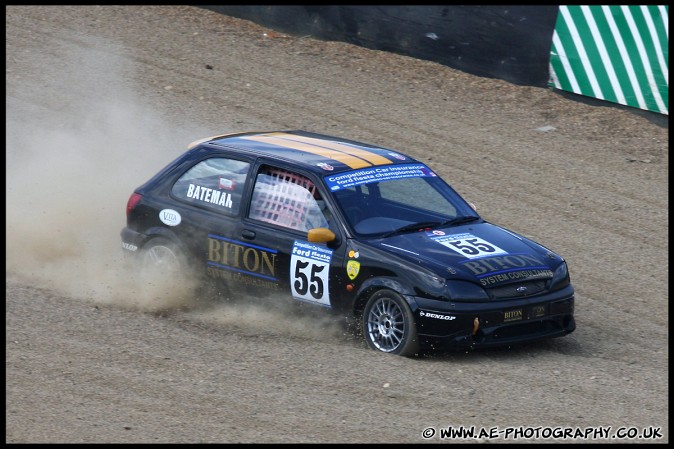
{"x": 321, "y": 235}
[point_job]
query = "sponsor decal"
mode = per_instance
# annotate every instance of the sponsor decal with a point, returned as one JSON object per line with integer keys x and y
{"x": 537, "y": 311}
{"x": 310, "y": 272}
{"x": 511, "y": 267}
{"x": 227, "y": 184}
{"x": 354, "y": 254}
{"x": 240, "y": 257}
{"x": 325, "y": 166}
{"x": 468, "y": 245}
{"x": 375, "y": 174}
{"x": 352, "y": 269}
{"x": 512, "y": 315}
{"x": 528, "y": 275}
{"x": 129, "y": 246}
{"x": 170, "y": 217}
{"x": 230, "y": 276}
{"x": 437, "y": 316}
{"x": 397, "y": 156}
{"x": 208, "y": 195}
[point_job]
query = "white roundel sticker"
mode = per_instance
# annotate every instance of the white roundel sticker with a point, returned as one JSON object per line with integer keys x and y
{"x": 170, "y": 217}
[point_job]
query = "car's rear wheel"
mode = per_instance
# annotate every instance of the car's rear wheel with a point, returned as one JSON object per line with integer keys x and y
{"x": 388, "y": 324}
{"x": 162, "y": 256}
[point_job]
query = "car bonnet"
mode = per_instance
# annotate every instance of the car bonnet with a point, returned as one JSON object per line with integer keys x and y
{"x": 482, "y": 252}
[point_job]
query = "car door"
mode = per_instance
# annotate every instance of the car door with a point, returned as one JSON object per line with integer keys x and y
{"x": 284, "y": 205}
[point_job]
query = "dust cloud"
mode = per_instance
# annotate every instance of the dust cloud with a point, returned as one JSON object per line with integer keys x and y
{"x": 78, "y": 142}
{"x": 80, "y": 138}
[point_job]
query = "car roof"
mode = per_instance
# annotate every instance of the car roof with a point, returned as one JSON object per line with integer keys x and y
{"x": 316, "y": 152}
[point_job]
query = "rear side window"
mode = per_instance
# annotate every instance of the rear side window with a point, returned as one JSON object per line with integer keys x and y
{"x": 216, "y": 183}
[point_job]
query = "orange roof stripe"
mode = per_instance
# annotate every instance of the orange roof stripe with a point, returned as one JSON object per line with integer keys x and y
{"x": 373, "y": 158}
{"x": 348, "y": 155}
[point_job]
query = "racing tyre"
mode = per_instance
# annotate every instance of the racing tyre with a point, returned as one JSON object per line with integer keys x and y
{"x": 388, "y": 324}
{"x": 165, "y": 279}
{"x": 162, "y": 256}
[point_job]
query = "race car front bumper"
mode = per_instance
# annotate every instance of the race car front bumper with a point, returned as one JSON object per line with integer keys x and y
{"x": 497, "y": 323}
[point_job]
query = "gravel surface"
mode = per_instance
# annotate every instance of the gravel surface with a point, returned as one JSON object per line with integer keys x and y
{"x": 101, "y": 97}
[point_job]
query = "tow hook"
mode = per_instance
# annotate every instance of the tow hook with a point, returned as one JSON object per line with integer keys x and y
{"x": 476, "y": 325}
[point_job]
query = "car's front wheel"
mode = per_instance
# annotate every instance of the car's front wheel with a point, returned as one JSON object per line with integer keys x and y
{"x": 388, "y": 324}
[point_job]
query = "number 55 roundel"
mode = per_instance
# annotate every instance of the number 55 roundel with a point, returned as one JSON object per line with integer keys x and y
{"x": 309, "y": 272}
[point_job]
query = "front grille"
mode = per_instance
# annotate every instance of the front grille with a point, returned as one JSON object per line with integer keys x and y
{"x": 517, "y": 289}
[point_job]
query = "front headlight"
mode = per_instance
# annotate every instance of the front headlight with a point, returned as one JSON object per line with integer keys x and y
{"x": 560, "y": 278}
{"x": 461, "y": 291}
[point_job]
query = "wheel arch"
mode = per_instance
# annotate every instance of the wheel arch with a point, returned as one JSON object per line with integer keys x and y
{"x": 375, "y": 284}
{"x": 160, "y": 232}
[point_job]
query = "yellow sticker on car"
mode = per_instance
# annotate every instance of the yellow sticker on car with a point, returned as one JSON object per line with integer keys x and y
{"x": 352, "y": 269}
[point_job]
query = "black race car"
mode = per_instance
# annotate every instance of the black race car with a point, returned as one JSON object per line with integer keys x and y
{"x": 365, "y": 232}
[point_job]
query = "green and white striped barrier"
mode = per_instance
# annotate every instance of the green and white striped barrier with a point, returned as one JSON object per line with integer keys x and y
{"x": 614, "y": 53}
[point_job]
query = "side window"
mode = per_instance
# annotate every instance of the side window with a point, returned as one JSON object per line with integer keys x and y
{"x": 216, "y": 183}
{"x": 287, "y": 199}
